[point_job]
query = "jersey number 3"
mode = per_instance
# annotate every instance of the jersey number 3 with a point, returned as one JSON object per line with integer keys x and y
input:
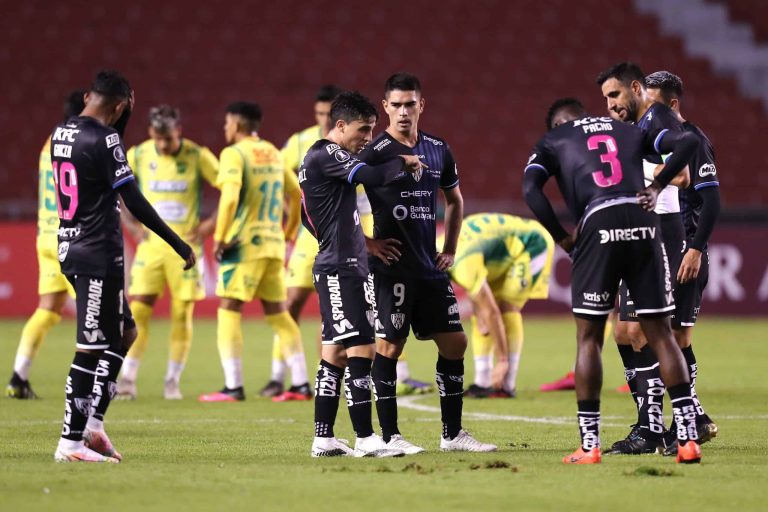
{"x": 65, "y": 178}
{"x": 608, "y": 157}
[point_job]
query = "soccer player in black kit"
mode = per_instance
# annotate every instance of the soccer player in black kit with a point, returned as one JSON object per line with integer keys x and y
{"x": 699, "y": 206}
{"x": 411, "y": 285}
{"x": 328, "y": 177}
{"x": 90, "y": 170}
{"x": 597, "y": 163}
{"x": 623, "y": 86}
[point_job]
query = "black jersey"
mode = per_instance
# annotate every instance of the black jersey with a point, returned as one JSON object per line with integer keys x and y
{"x": 89, "y": 164}
{"x": 658, "y": 117}
{"x": 406, "y": 208}
{"x": 329, "y": 208}
{"x": 703, "y": 175}
{"x": 595, "y": 159}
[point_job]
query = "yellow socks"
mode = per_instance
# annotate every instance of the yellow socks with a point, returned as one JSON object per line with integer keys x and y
{"x": 142, "y": 313}
{"x": 32, "y": 337}
{"x": 229, "y": 337}
{"x": 513, "y": 325}
{"x": 482, "y": 350}
{"x": 290, "y": 346}
{"x": 181, "y": 338}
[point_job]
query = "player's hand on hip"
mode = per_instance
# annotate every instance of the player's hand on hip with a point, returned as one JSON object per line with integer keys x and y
{"x": 647, "y": 196}
{"x": 412, "y": 163}
{"x": 690, "y": 266}
{"x": 386, "y": 250}
{"x": 444, "y": 260}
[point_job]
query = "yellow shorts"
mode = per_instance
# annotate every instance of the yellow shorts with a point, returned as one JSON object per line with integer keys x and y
{"x": 50, "y": 279}
{"x": 513, "y": 283}
{"x": 156, "y": 265}
{"x": 304, "y": 252}
{"x": 263, "y": 278}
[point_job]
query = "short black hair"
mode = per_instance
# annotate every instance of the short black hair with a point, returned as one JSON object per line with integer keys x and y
{"x": 328, "y": 92}
{"x": 111, "y": 84}
{"x": 402, "y": 82}
{"x": 350, "y": 106}
{"x": 250, "y": 112}
{"x": 569, "y": 103}
{"x": 624, "y": 72}
{"x": 669, "y": 84}
{"x": 74, "y": 104}
{"x": 164, "y": 118}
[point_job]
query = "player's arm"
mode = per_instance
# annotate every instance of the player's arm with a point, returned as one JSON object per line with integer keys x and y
{"x": 131, "y": 225}
{"x": 682, "y": 146}
{"x": 384, "y": 173}
{"x": 535, "y": 177}
{"x": 454, "y": 213}
{"x": 682, "y": 180}
{"x": 488, "y": 312}
{"x": 138, "y": 205}
{"x": 708, "y": 188}
{"x": 293, "y": 204}
{"x": 230, "y": 181}
{"x": 209, "y": 170}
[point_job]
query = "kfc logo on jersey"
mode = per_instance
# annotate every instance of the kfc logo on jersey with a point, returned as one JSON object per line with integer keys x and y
{"x": 65, "y": 134}
{"x": 119, "y": 154}
{"x": 707, "y": 170}
{"x": 112, "y": 140}
{"x": 341, "y": 156}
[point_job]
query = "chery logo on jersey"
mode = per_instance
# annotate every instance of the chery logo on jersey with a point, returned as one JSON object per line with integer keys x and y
{"x": 626, "y": 234}
{"x": 707, "y": 170}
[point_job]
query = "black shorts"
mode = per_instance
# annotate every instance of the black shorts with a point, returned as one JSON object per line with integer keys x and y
{"x": 673, "y": 238}
{"x": 688, "y": 296}
{"x": 102, "y": 311}
{"x": 620, "y": 242}
{"x": 346, "y": 309}
{"x": 427, "y": 305}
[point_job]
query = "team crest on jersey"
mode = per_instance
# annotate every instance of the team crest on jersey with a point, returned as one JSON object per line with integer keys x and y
{"x": 84, "y": 405}
{"x": 119, "y": 154}
{"x": 63, "y": 250}
{"x": 181, "y": 167}
{"x": 112, "y": 140}
{"x": 417, "y": 175}
{"x": 398, "y": 319}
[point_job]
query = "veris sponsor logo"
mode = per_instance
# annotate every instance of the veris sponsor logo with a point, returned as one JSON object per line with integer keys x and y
{"x": 599, "y": 297}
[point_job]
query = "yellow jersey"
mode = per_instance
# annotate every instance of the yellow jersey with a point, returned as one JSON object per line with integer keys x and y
{"x": 256, "y": 166}
{"x": 47, "y": 212}
{"x": 173, "y": 184}
{"x": 502, "y": 240}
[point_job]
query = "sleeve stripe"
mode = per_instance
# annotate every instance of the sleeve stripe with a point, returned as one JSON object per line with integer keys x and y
{"x": 707, "y": 184}
{"x": 351, "y": 175}
{"x": 122, "y": 180}
{"x": 536, "y": 166}
{"x": 452, "y": 185}
{"x": 658, "y": 139}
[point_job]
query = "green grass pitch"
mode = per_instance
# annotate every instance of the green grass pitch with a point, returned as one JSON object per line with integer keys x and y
{"x": 255, "y": 455}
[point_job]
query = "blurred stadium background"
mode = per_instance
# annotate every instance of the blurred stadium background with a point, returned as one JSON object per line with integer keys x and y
{"x": 489, "y": 68}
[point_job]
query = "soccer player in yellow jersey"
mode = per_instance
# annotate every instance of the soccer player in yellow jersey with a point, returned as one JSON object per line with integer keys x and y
{"x": 502, "y": 261}
{"x": 171, "y": 172}
{"x": 250, "y": 242}
{"x": 52, "y": 286}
